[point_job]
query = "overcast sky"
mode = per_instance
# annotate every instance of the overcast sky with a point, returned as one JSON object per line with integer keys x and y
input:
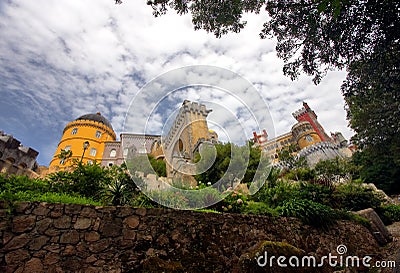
{"x": 65, "y": 58}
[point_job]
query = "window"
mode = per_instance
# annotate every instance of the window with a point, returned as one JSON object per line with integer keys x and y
{"x": 62, "y": 161}
{"x": 90, "y": 162}
{"x": 74, "y": 131}
{"x": 113, "y": 153}
{"x": 67, "y": 148}
{"x": 98, "y": 134}
{"x": 308, "y": 138}
{"x": 126, "y": 152}
{"x": 110, "y": 164}
{"x": 93, "y": 151}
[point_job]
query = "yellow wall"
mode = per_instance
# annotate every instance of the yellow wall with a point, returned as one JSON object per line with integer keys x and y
{"x": 302, "y": 139}
{"x": 86, "y": 132}
{"x": 280, "y": 142}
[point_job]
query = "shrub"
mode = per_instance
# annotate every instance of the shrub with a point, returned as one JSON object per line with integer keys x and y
{"x": 169, "y": 199}
{"x": 259, "y": 208}
{"x": 50, "y": 197}
{"x": 336, "y": 169}
{"x": 233, "y": 202}
{"x": 143, "y": 201}
{"x": 15, "y": 183}
{"x": 22, "y": 188}
{"x": 301, "y": 174}
{"x": 120, "y": 188}
{"x": 389, "y": 214}
{"x": 315, "y": 192}
{"x": 353, "y": 196}
{"x": 85, "y": 180}
{"x": 203, "y": 197}
{"x": 309, "y": 212}
{"x": 274, "y": 196}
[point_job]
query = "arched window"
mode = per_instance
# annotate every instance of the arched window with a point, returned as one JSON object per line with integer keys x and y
{"x": 93, "y": 151}
{"x": 308, "y": 138}
{"x": 113, "y": 153}
{"x": 11, "y": 160}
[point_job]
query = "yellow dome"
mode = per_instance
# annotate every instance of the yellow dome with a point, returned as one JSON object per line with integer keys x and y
{"x": 92, "y": 129}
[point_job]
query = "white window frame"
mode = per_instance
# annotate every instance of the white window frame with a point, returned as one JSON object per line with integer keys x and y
{"x": 93, "y": 151}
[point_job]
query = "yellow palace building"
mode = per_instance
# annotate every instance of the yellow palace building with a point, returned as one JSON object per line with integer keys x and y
{"x": 85, "y": 137}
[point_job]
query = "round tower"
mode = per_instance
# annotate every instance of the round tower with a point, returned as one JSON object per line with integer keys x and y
{"x": 85, "y": 137}
{"x": 304, "y": 134}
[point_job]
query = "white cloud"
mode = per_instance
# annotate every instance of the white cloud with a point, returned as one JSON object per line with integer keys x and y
{"x": 62, "y": 59}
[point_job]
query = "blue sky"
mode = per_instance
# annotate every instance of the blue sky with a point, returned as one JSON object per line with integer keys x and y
{"x": 62, "y": 59}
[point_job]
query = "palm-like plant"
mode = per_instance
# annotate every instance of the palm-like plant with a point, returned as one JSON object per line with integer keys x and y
{"x": 64, "y": 155}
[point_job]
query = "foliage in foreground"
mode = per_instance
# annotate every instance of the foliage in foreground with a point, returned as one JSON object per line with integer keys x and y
{"x": 389, "y": 214}
{"x": 22, "y": 188}
{"x": 309, "y": 212}
{"x": 314, "y": 204}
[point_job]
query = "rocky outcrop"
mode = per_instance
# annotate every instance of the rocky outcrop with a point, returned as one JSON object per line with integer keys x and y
{"x": 41, "y": 237}
{"x": 378, "y": 228}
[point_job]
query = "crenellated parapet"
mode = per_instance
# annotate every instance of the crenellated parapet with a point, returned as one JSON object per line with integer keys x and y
{"x": 321, "y": 151}
{"x": 16, "y": 158}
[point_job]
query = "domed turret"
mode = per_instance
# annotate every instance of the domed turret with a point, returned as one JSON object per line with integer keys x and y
{"x": 85, "y": 137}
{"x": 96, "y": 117}
{"x": 304, "y": 134}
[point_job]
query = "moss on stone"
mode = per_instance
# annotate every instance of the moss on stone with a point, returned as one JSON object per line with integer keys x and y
{"x": 154, "y": 264}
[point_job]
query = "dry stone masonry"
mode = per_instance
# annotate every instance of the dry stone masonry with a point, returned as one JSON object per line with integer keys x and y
{"x": 41, "y": 237}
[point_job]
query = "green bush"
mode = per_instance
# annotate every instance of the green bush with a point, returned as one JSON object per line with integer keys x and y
{"x": 159, "y": 166}
{"x": 234, "y": 202}
{"x": 301, "y": 174}
{"x": 389, "y": 214}
{"x": 336, "y": 169}
{"x": 315, "y": 192}
{"x": 15, "y": 183}
{"x": 85, "y": 180}
{"x": 169, "y": 199}
{"x": 49, "y": 197}
{"x": 143, "y": 201}
{"x": 119, "y": 188}
{"x": 309, "y": 212}
{"x": 274, "y": 196}
{"x": 353, "y": 196}
{"x": 259, "y": 208}
{"x": 203, "y": 197}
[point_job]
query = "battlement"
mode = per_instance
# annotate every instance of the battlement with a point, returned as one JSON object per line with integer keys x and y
{"x": 188, "y": 106}
{"x": 299, "y": 112}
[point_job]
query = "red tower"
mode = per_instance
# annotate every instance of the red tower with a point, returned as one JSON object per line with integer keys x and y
{"x": 306, "y": 114}
{"x": 262, "y": 139}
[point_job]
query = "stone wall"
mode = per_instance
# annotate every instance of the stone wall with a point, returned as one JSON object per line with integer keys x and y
{"x": 41, "y": 237}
